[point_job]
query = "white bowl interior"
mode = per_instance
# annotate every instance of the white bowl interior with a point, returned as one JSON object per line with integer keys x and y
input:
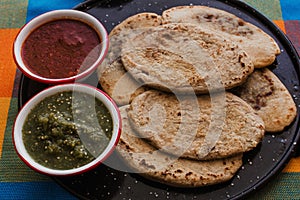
{"x": 17, "y": 134}
{"x": 54, "y": 15}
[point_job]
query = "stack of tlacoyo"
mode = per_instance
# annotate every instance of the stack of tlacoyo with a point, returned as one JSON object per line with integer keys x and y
{"x": 172, "y": 74}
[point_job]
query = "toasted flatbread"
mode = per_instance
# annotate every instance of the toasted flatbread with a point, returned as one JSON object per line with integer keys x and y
{"x": 112, "y": 76}
{"x": 143, "y": 158}
{"x": 119, "y": 84}
{"x": 140, "y": 20}
{"x": 127, "y": 29}
{"x": 259, "y": 45}
{"x": 203, "y": 127}
{"x": 270, "y": 99}
{"x": 184, "y": 58}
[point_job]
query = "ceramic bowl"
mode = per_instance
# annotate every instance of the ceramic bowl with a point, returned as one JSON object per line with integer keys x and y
{"x": 45, "y": 18}
{"x": 74, "y": 87}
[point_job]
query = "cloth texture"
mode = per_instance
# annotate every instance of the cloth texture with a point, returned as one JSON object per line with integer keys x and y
{"x": 17, "y": 181}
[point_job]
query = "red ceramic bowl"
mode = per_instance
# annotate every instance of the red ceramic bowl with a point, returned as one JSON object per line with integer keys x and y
{"x": 26, "y": 109}
{"x": 53, "y": 16}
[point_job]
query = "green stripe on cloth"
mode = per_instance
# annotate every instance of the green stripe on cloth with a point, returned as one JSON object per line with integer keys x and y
{"x": 13, "y": 13}
{"x": 11, "y": 167}
{"x": 33, "y": 190}
{"x": 270, "y": 8}
{"x": 288, "y": 189}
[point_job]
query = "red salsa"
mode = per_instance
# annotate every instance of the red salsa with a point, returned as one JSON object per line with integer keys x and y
{"x": 61, "y": 48}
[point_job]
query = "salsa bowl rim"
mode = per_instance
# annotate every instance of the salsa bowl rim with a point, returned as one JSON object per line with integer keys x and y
{"x": 53, "y": 15}
{"x": 25, "y": 110}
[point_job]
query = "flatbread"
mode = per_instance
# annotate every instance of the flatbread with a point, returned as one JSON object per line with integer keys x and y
{"x": 270, "y": 99}
{"x": 203, "y": 127}
{"x": 259, "y": 45}
{"x": 184, "y": 58}
{"x": 112, "y": 76}
{"x": 119, "y": 84}
{"x": 127, "y": 29}
{"x": 160, "y": 167}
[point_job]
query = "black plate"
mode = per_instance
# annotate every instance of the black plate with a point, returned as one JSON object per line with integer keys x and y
{"x": 259, "y": 165}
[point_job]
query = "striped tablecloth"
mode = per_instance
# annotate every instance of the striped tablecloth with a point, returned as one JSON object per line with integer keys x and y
{"x": 17, "y": 181}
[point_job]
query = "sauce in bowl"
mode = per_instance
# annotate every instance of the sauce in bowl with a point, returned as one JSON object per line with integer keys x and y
{"x": 61, "y": 48}
{"x": 67, "y": 130}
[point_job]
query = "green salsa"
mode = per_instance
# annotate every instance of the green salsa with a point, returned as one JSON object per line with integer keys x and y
{"x": 67, "y": 130}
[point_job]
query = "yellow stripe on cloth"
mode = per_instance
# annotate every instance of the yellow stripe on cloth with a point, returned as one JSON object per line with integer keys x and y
{"x": 280, "y": 24}
{"x": 4, "y": 107}
{"x": 7, "y": 64}
{"x": 293, "y": 165}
